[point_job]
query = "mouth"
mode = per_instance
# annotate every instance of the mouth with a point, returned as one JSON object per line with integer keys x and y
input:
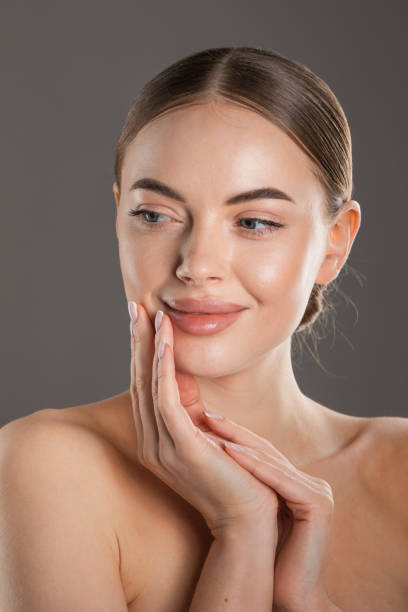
{"x": 202, "y": 323}
{"x": 206, "y": 305}
{"x": 201, "y": 313}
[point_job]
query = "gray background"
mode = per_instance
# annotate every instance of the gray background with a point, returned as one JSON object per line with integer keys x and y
{"x": 69, "y": 74}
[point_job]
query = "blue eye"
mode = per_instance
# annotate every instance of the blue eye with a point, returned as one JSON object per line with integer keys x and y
{"x": 144, "y": 211}
{"x": 271, "y": 226}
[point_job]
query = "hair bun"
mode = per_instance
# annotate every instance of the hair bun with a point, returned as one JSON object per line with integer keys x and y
{"x": 314, "y": 307}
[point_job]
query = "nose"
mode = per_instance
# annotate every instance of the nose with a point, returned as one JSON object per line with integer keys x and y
{"x": 203, "y": 256}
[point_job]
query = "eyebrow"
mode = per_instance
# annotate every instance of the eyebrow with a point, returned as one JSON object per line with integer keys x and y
{"x": 255, "y": 194}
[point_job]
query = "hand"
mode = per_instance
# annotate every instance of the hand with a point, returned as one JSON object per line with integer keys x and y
{"x": 304, "y": 517}
{"x": 177, "y": 451}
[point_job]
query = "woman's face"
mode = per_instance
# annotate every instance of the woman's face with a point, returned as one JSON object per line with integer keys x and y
{"x": 203, "y": 247}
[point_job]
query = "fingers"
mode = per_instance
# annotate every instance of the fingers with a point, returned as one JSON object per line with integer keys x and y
{"x": 132, "y": 386}
{"x": 241, "y": 435}
{"x": 164, "y": 435}
{"x": 142, "y": 347}
{"x": 164, "y": 387}
{"x": 154, "y": 390}
{"x": 261, "y": 448}
{"x": 304, "y": 496}
{"x": 216, "y": 440}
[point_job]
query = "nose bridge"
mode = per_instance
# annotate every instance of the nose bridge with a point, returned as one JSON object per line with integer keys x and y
{"x": 205, "y": 251}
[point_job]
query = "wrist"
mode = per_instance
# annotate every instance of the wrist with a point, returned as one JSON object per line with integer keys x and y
{"x": 262, "y": 529}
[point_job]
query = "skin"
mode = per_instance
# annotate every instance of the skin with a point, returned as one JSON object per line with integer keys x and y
{"x": 209, "y": 153}
{"x": 206, "y": 473}
{"x": 232, "y": 501}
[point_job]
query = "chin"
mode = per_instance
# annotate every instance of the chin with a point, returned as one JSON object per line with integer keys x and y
{"x": 205, "y": 367}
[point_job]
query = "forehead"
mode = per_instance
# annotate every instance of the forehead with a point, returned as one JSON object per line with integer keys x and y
{"x": 217, "y": 148}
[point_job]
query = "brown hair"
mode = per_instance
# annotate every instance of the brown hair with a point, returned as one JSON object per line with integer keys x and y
{"x": 283, "y": 91}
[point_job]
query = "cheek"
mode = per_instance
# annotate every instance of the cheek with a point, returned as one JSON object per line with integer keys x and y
{"x": 141, "y": 267}
{"x": 280, "y": 279}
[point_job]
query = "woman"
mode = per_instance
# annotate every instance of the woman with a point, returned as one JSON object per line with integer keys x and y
{"x": 233, "y": 194}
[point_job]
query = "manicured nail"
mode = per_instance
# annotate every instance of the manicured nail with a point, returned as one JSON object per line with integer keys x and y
{"x": 208, "y": 435}
{"x": 161, "y": 348}
{"x": 235, "y": 446}
{"x": 158, "y": 319}
{"x": 213, "y": 415}
{"x": 132, "y": 311}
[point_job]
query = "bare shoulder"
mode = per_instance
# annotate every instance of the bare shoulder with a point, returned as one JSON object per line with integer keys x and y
{"x": 389, "y": 439}
{"x": 59, "y": 548}
{"x": 51, "y": 433}
{"x": 92, "y": 449}
{"x": 387, "y": 463}
{"x": 51, "y": 448}
{"x": 394, "y": 428}
{"x": 80, "y": 440}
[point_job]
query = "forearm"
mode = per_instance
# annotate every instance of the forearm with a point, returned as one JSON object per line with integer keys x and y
{"x": 238, "y": 572}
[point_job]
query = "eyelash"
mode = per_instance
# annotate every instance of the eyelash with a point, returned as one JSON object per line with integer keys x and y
{"x": 271, "y": 225}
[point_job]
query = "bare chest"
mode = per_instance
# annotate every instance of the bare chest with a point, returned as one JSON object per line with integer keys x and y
{"x": 366, "y": 564}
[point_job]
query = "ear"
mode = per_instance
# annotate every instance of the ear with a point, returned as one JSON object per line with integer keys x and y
{"x": 340, "y": 240}
{"x": 116, "y": 193}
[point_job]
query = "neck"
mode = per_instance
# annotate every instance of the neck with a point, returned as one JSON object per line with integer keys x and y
{"x": 266, "y": 399}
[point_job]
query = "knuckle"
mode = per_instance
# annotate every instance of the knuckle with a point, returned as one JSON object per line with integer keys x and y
{"x": 160, "y": 376}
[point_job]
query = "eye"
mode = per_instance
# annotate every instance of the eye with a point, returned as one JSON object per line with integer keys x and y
{"x": 144, "y": 211}
{"x": 271, "y": 226}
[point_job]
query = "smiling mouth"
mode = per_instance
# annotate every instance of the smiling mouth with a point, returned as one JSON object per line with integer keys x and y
{"x": 202, "y": 313}
{"x": 202, "y": 323}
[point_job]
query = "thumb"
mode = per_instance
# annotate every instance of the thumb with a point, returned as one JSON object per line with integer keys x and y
{"x": 190, "y": 397}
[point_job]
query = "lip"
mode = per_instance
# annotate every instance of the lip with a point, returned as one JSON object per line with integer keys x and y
{"x": 202, "y": 324}
{"x": 204, "y": 306}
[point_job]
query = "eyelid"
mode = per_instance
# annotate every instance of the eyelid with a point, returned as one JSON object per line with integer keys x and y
{"x": 261, "y": 213}
{"x": 273, "y": 216}
{"x": 141, "y": 206}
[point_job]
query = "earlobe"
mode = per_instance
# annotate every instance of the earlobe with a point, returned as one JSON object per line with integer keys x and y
{"x": 329, "y": 270}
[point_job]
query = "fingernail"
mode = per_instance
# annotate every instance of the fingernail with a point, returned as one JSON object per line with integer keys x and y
{"x": 235, "y": 446}
{"x": 207, "y": 435}
{"x": 213, "y": 415}
{"x": 158, "y": 319}
{"x": 212, "y": 439}
{"x": 161, "y": 348}
{"x": 132, "y": 311}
